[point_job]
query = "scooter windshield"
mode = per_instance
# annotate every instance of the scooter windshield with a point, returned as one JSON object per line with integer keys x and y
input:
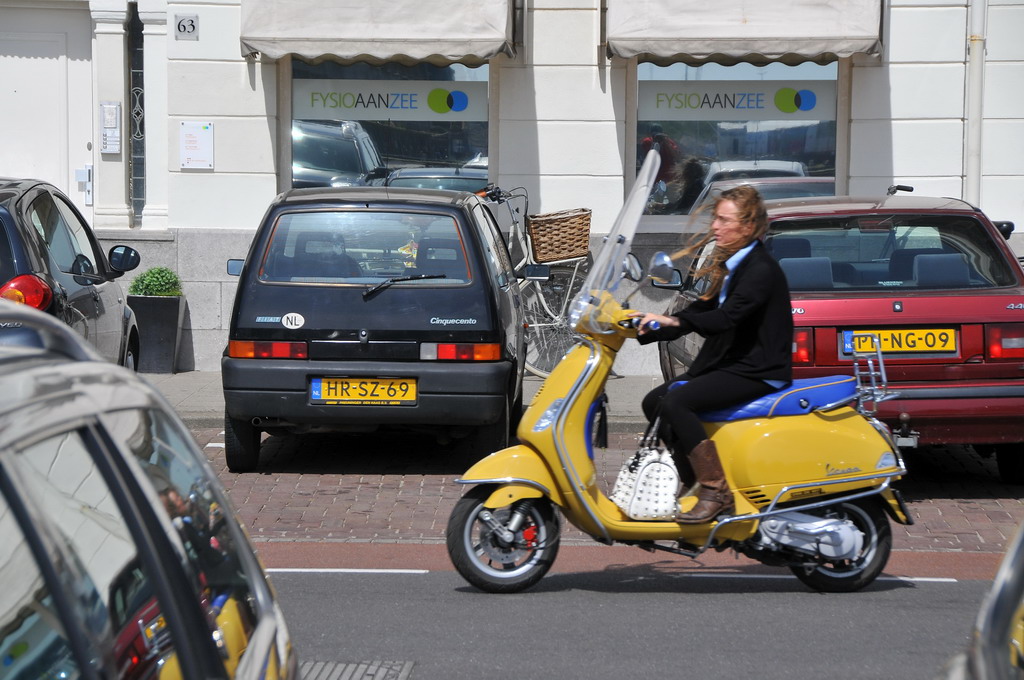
{"x": 607, "y": 271}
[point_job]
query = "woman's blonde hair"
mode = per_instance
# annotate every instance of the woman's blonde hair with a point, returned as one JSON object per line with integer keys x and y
{"x": 749, "y": 210}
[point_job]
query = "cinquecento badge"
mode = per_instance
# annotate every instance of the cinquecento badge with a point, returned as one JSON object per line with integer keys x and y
{"x": 292, "y": 320}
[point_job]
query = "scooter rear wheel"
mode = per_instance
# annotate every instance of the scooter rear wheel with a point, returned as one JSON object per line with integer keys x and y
{"x": 487, "y": 559}
{"x": 849, "y": 575}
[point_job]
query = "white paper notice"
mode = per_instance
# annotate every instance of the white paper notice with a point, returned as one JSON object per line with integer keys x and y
{"x": 196, "y": 145}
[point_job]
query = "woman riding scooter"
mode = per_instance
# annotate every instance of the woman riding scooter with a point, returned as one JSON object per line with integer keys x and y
{"x": 746, "y": 317}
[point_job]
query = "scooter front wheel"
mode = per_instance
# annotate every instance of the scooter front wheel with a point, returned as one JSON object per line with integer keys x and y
{"x": 844, "y": 576}
{"x": 502, "y": 550}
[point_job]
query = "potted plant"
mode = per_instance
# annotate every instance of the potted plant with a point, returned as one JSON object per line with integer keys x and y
{"x": 155, "y": 297}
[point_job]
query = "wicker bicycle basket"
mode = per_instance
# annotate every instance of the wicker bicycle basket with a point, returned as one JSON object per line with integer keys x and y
{"x": 559, "y": 235}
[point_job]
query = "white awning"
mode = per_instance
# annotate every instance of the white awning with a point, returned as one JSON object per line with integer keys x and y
{"x": 406, "y": 31}
{"x": 733, "y": 31}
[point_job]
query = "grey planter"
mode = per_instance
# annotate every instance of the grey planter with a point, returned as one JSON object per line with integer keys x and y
{"x": 160, "y": 319}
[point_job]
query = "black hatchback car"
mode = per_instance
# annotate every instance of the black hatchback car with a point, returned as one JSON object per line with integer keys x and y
{"x": 374, "y": 307}
{"x": 50, "y": 260}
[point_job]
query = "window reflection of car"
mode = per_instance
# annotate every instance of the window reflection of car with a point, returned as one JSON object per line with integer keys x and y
{"x": 739, "y": 169}
{"x": 333, "y": 153}
{"x": 770, "y": 188}
{"x": 142, "y": 639}
{"x": 935, "y": 279}
{"x": 450, "y": 179}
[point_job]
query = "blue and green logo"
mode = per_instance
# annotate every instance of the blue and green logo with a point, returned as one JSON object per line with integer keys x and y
{"x": 446, "y": 101}
{"x": 789, "y": 100}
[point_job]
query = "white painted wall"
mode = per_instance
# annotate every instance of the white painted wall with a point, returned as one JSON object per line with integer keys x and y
{"x": 209, "y": 81}
{"x": 46, "y": 93}
{"x": 909, "y": 107}
{"x": 561, "y": 111}
{"x": 561, "y": 115}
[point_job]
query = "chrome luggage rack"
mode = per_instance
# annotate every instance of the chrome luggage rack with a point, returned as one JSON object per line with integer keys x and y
{"x": 869, "y": 370}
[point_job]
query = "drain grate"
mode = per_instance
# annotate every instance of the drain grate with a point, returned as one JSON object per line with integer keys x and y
{"x": 362, "y": 670}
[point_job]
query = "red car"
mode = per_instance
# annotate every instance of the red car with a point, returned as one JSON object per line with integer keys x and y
{"x": 938, "y": 283}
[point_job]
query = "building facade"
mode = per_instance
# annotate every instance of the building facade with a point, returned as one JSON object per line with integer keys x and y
{"x": 172, "y": 125}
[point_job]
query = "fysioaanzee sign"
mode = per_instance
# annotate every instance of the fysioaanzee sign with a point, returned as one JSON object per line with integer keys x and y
{"x": 421, "y": 100}
{"x": 736, "y": 100}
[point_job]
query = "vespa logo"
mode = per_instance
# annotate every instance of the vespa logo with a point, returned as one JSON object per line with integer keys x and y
{"x": 832, "y": 472}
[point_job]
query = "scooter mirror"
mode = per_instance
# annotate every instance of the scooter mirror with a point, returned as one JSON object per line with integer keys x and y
{"x": 633, "y": 269}
{"x": 661, "y": 269}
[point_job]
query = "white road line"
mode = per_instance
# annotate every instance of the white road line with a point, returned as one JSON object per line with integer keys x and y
{"x": 214, "y": 445}
{"x": 908, "y": 579}
{"x": 348, "y": 571}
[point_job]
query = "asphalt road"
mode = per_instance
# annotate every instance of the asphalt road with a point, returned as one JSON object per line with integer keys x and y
{"x": 364, "y": 518}
{"x": 623, "y": 623}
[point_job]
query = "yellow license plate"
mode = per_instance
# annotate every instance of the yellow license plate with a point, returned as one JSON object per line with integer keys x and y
{"x": 905, "y": 340}
{"x": 363, "y": 391}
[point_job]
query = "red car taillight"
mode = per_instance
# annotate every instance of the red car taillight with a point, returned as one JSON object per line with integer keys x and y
{"x": 462, "y": 351}
{"x": 249, "y": 349}
{"x": 1004, "y": 341}
{"x": 803, "y": 346}
{"x": 27, "y": 289}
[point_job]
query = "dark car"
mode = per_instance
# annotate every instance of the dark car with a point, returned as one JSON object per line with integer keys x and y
{"x": 50, "y": 260}
{"x": 452, "y": 179}
{"x": 333, "y": 153}
{"x": 359, "y": 309}
{"x": 122, "y": 557}
{"x": 770, "y": 189}
{"x": 935, "y": 279}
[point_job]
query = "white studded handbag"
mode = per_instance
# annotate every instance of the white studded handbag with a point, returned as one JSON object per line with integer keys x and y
{"x": 648, "y": 485}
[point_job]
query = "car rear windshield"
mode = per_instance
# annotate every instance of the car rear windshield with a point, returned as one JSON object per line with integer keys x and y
{"x": 365, "y": 247}
{"x": 883, "y": 252}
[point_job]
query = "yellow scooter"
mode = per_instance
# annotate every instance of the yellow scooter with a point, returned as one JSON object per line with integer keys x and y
{"x": 810, "y": 468}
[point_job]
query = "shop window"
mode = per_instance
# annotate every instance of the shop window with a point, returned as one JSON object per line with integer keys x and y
{"x": 716, "y": 122}
{"x": 352, "y": 124}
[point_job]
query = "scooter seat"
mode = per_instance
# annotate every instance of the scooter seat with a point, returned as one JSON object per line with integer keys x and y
{"x": 801, "y": 397}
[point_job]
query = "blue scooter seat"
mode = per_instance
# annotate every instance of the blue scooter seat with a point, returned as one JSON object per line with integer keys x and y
{"x": 799, "y": 398}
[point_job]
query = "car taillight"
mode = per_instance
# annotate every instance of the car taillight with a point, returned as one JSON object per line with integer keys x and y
{"x": 461, "y": 351}
{"x": 803, "y": 346}
{"x": 1005, "y": 341}
{"x": 249, "y": 349}
{"x": 27, "y": 289}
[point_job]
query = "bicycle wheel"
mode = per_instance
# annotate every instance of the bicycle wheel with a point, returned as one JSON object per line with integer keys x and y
{"x": 548, "y": 336}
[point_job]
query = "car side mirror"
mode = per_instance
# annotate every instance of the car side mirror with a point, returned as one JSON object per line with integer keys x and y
{"x": 377, "y": 173}
{"x": 1005, "y": 228}
{"x": 535, "y": 272}
{"x": 663, "y": 274}
{"x": 235, "y": 267}
{"x": 123, "y": 259}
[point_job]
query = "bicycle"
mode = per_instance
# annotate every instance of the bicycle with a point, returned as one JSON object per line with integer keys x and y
{"x": 545, "y": 302}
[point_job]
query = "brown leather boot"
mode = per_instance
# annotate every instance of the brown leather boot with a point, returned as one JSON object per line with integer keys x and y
{"x": 714, "y": 496}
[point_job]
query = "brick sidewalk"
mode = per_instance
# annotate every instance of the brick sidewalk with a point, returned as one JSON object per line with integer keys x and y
{"x": 374, "y": 489}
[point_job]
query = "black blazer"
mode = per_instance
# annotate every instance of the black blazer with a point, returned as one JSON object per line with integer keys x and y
{"x": 752, "y": 333}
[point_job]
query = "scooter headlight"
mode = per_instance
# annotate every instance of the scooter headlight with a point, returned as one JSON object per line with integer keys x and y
{"x": 547, "y": 418}
{"x": 887, "y": 460}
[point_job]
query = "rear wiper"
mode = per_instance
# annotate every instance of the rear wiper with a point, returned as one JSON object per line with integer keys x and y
{"x": 387, "y": 283}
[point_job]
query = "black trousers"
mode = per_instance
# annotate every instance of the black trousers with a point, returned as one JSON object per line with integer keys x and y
{"x": 681, "y": 429}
